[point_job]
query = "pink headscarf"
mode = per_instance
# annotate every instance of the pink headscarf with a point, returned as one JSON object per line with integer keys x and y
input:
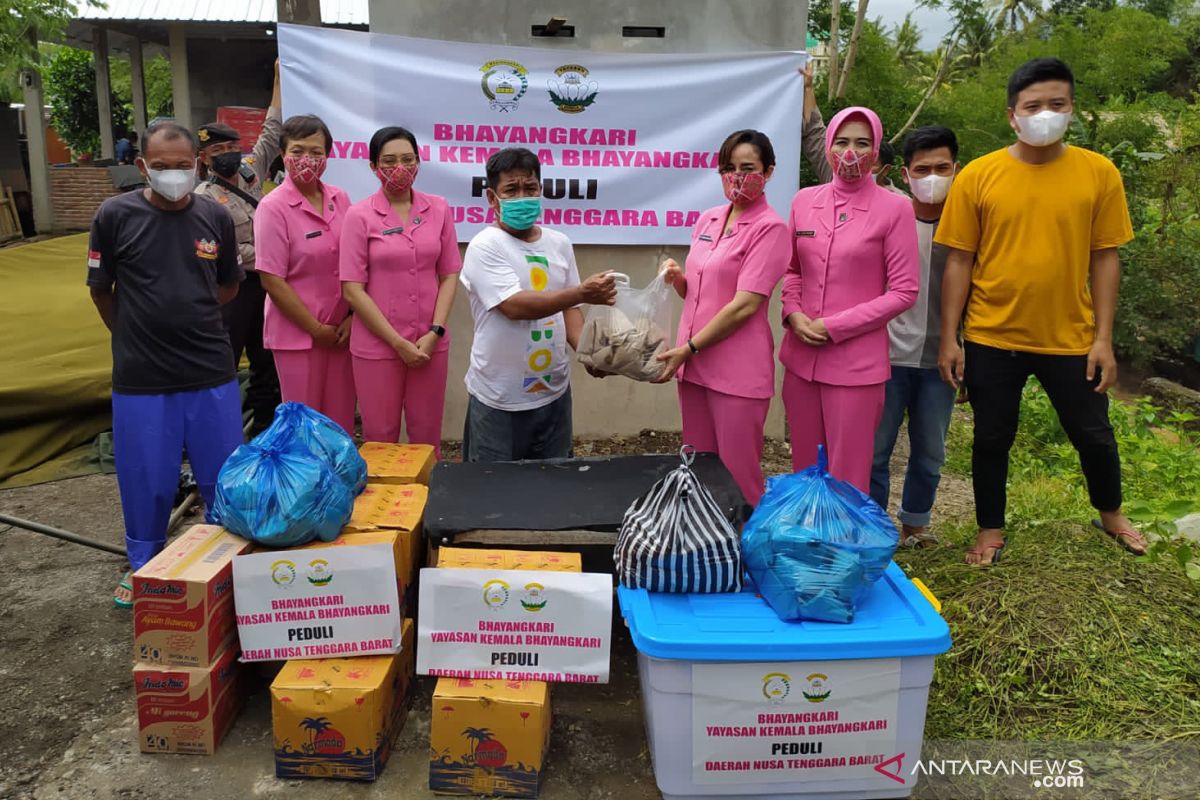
{"x": 831, "y": 132}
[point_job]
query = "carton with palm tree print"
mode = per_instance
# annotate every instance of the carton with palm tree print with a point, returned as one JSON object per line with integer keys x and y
{"x": 339, "y": 717}
{"x": 488, "y": 737}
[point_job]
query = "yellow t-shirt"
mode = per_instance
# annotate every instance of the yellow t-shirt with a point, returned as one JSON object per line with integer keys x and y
{"x": 1033, "y": 229}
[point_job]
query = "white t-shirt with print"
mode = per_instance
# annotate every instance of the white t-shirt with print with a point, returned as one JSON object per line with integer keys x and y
{"x": 517, "y": 365}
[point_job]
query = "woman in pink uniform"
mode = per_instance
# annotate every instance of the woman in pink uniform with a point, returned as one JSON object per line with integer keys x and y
{"x": 297, "y": 229}
{"x": 854, "y": 267}
{"x": 725, "y": 352}
{"x": 399, "y": 269}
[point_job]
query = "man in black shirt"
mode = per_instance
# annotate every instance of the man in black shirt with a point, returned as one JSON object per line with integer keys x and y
{"x": 161, "y": 263}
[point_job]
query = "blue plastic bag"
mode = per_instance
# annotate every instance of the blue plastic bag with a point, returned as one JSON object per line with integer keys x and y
{"x": 281, "y": 496}
{"x": 815, "y": 545}
{"x": 324, "y": 437}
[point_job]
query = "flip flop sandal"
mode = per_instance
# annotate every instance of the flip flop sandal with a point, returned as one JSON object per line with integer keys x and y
{"x": 1123, "y": 536}
{"x": 126, "y": 584}
{"x": 997, "y": 552}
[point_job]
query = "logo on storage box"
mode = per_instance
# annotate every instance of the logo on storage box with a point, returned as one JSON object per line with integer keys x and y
{"x": 319, "y": 573}
{"x": 776, "y": 687}
{"x": 818, "y": 688}
{"x": 495, "y": 594}
{"x": 534, "y": 598}
{"x": 283, "y": 573}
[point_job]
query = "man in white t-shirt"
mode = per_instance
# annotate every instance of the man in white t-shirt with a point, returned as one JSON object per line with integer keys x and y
{"x": 525, "y": 295}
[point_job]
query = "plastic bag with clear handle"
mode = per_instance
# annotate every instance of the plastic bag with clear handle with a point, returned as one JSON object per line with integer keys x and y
{"x": 324, "y": 437}
{"x": 281, "y": 496}
{"x": 815, "y": 545}
{"x": 627, "y": 338}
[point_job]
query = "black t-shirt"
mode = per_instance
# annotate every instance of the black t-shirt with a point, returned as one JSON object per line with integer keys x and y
{"x": 167, "y": 330}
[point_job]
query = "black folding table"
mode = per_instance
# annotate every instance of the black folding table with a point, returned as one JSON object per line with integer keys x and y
{"x": 560, "y": 502}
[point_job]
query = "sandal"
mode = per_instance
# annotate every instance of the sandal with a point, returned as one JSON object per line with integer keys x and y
{"x": 123, "y": 594}
{"x": 918, "y": 537}
{"x": 1128, "y": 537}
{"x": 997, "y": 550}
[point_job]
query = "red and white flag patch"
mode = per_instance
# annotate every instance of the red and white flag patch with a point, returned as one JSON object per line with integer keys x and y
{"x": 93, "y": 259}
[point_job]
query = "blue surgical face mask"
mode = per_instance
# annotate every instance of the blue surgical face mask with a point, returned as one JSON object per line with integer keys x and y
{"x": 520, "y": 213}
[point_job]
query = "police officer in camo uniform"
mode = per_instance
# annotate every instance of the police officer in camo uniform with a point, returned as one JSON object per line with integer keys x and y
{"x": 235, "y": 181}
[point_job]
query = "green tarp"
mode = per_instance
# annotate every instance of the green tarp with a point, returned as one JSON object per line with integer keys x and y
{"x": 55, "y": 365}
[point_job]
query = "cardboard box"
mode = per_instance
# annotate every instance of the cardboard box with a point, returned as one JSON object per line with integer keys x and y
{"x": 187, "y": 709}
{"x": 488, "y": 737}
{"x": 325, "y": 599}
{"x": 183, "y": 599}
{"x": 339, "y": 717}
{"x": 384, "y": 506}
{"x": 463, "y": 558}
{"x": 398, "y": 463}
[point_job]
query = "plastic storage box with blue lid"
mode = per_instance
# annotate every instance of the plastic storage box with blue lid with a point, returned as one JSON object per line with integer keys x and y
{"x": 740, "y": 704}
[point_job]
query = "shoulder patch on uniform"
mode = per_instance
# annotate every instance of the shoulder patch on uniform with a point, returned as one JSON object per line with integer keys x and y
{"x": 93, "y": 259}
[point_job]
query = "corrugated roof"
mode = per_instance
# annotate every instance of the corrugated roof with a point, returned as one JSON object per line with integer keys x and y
{"x": 333, "y": 12}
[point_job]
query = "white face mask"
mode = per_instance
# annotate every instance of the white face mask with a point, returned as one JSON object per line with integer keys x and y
{"x": 931, "y": 189}
{"x": 1043, "y": 128}
{"x": 173, "y": 184}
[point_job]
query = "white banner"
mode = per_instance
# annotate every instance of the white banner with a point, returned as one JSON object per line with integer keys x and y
{"x": 793, "y": 722}
{"x": 628, "y": 142}
{"x": 520, "y": 625}
{"x": 326, "y": 602}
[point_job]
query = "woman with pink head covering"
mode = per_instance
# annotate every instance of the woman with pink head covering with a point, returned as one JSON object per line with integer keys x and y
{"x": 854, "y": 267}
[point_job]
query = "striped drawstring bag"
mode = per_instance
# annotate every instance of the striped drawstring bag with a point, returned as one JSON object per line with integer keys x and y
{"x": 675, "y": 538}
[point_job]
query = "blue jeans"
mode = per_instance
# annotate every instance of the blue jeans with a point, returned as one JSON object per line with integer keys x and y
{"x": 928, "y": 401}
{"x": 150, "y": 432}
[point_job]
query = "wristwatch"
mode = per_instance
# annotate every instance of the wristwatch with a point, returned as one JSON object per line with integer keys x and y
{"x": 440, "y": 330}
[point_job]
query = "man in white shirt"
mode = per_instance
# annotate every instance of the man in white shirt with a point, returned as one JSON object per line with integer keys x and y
{"x": 525, "y": 294}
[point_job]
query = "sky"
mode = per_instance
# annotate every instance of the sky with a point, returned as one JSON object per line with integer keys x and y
{"x": 934, "y": 24}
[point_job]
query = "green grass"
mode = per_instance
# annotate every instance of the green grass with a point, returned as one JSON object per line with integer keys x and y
{"x": 1069, "y": 638}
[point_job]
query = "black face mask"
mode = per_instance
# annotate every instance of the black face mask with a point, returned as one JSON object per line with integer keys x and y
{"x": 226, "y": 164}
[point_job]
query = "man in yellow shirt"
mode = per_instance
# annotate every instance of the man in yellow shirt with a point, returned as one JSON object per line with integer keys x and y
{"x": 1034, "y": 230}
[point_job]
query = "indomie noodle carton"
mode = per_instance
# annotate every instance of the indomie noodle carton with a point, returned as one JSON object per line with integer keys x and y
{"x": 390, "y": 507}
{"x": 488, "y": 737}
{"x": 397, "y": 463}
{"x": 187, "y": 709}
{"x": 183, "y": 599}
{"x": 339, "y": 717}
{"x": 463, "y": 558}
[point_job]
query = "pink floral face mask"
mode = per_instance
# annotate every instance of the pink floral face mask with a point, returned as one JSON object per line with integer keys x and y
{"x": 850, "y": 165}
{"x": 397, "y": 179}
{"x": 743, "y": 188}
{"x": 304, "y": 170}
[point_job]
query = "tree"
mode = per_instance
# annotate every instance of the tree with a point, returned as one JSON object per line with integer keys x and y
{"x": 71, "y": 89}
{"x": 1014, "y": 14}
{"x": 859, "y": 17}
{"x": 22, "y": 23}
{"x": 906, "y": 39}
{"x": 157, "y": 79}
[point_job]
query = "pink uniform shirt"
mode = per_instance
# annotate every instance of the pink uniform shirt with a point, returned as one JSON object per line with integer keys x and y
{"x": 751, "y": 258}
{"x": 854, "y": 264}
{"x": 401, "y": 266}
{"x": 295, "y": 243}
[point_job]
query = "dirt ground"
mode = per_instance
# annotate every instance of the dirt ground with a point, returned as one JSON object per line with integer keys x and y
{"x": 69, "y": 702}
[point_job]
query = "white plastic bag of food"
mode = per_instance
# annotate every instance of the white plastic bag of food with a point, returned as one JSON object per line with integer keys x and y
{"x": 627, "y": 338}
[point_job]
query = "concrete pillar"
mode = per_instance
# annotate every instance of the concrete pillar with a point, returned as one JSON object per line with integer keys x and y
{"x": 180, "y": 91}
{"x": 299, "y": 12}
{"x": 103, "y": 91}
{"x": 137, "y": 81}
{"x": 35, "y": 131}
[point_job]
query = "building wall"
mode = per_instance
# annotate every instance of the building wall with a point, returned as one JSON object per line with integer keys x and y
{"x": 76, "y": 193}
{"x": 612, "y": 405}
{"x": 235, "y": 72}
